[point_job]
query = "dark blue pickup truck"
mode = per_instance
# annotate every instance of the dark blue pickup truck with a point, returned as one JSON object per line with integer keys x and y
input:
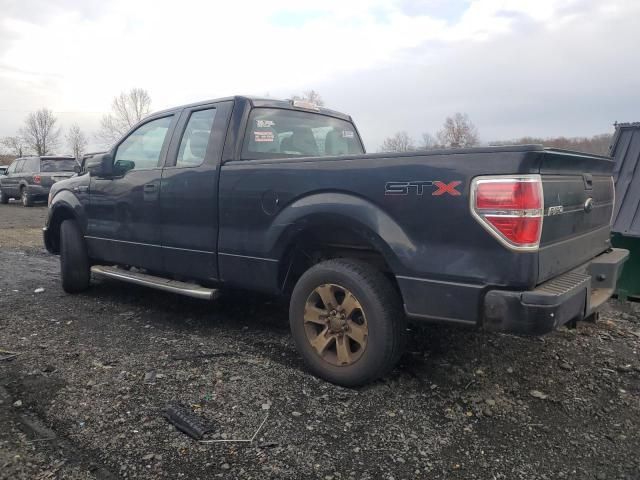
{"x": 280, "y": 197}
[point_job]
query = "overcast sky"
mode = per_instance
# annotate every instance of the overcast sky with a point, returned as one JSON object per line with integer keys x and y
{"x": 521, "y": 67}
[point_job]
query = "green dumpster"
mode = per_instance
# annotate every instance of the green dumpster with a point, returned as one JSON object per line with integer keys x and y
{"x": 629, "y": 283}
{"x": 625, "y": 224}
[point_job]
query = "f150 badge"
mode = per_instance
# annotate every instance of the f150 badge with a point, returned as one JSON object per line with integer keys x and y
{"x": 419, "y": 188}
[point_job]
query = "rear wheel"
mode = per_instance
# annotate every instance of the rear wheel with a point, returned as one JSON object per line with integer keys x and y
{"x": 74, "y": 260}
{"x": 347, "y": 322}
{"x": 25, "y": 198}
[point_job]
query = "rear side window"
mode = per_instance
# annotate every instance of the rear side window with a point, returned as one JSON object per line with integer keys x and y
{"x": 30, "y": 165}
{"x": 195, "y": 139}
{"x": 57, "y": 165}
{"x": 273, "y": 133}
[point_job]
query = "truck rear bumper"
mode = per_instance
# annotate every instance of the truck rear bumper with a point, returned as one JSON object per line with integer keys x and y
{"x": 572, "y": 296}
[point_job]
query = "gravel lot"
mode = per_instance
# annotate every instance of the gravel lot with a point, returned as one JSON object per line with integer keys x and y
{"x": 85, "y": 396}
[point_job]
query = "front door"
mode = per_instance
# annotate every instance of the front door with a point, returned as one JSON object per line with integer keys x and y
{"x": 123, "y": 216}
{"x": 189, "y": 193}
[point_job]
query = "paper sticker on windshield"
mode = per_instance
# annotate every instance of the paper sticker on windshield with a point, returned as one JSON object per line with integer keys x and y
{"x": 265, "y": 123}
{"x": 347, "y": 134}
{"x": 267, "y": 136}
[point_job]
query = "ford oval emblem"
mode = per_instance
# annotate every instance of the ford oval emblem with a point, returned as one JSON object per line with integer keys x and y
{"x": 588, "y": 205}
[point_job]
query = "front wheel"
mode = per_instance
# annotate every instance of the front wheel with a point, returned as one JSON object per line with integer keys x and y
{"x": 74, "y": 259}
{"x": 25, "y": 198}
{"x": 4, "y": 198}
{"x": 347, "y": 322}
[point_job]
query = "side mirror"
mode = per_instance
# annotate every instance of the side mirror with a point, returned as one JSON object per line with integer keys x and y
{"x": 100, "y": 165}
{"x": 77, "y": 168}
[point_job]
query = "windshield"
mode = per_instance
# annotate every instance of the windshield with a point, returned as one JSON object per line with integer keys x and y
{"x": 273, "y": 133}
{"x": 57, "y": 165}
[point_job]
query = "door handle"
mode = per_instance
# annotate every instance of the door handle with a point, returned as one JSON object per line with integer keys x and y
{"x": 150, "y": 187}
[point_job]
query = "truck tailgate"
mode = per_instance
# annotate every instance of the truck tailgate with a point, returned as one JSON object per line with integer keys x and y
{"x": 578, "y": 202}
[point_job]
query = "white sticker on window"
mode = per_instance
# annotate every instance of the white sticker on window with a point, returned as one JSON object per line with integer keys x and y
{"x": 267, "y": 136}
{"x": 347, "y": 134}
{"x": 265, "y": 123}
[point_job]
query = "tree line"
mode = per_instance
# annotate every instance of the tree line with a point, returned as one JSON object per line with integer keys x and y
{"x": 41, "y": 134}
{"x": 458, "y": 131}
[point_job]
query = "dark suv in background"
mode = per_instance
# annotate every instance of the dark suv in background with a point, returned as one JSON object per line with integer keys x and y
{"x": 30, "y": 178}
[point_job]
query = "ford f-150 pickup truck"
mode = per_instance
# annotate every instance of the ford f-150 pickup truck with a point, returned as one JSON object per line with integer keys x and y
{"x": 280, "y": 197}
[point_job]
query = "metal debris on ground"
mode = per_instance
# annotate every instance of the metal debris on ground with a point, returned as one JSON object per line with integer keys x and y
{"x": 239, "y": 440}
{"x": 7, "y": 355}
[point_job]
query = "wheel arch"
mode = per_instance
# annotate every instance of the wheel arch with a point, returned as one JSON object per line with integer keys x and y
{"x": 333, "y": 225}
{"x": 65, "y": 206}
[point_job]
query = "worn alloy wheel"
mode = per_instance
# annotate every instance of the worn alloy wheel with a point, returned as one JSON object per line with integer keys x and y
{"x": 335, "y": 324}
{"x": 347, "y": 321}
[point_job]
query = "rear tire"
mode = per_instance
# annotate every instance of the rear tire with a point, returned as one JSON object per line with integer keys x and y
{"x": 74, "y": 259}
{"x": 348, "y": 349}
{"x": 25, "y": 198}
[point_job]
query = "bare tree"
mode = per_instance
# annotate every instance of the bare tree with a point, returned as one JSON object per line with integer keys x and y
{"x": 400, "y": 142}
{"x": 458, "y": 131}
{"x": 16, "y": 145}
{"x": 40, "y": 132}
{"x": 76, "y": 141}
{"x": 310, "y": 96}
{"x": 127, "y": 109}
{"x": 429, "y": 142}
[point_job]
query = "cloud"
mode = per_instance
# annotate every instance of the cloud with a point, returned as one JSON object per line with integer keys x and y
{"x": 536, "y": 67}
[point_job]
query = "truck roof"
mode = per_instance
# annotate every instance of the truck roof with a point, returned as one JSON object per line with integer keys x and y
{"x": 259, "y": 102}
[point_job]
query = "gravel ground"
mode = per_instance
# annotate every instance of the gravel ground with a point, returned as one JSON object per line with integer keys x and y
{"x": 21, "y": 227}
{"x": 85, "y": 397}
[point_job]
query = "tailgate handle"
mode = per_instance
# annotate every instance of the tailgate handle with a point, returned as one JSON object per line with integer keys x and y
{"x": 588, "y": 181}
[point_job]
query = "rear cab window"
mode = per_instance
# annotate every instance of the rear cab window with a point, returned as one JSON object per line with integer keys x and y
{"x": 57, "y": 165}
{"x": 282, "y": 133}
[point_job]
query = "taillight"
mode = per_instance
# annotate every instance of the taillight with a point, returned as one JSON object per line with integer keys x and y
{"x": 510, "y": 208}
{"x": 37, "y": 179}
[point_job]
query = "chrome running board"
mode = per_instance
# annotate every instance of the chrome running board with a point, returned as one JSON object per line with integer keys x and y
{"x": 159, "y": 283}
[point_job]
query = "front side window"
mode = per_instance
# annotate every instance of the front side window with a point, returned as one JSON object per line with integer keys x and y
{"x": 57, "y": 165}
{"x": 19, "y": 165}
{"x": 12, "y": 167}
{"x": 273, "y": 133}
{"x": 142, "y": 148}
{"x": 195, "y": 139}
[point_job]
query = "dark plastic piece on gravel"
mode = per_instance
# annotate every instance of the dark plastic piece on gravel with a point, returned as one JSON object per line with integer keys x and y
{"x": 186, "y": 421}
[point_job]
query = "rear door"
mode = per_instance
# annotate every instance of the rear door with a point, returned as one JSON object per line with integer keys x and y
{"x": 578, "y": 203}
{"x": 123, "y": 213}
{"x": 189, "y": 192}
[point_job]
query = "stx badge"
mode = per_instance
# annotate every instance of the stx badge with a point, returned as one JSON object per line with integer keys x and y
{"x": 418, "y": 187}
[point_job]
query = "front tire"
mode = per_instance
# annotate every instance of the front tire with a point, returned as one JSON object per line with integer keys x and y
{"x": 74, "y": 259}
{"x": 4, "y": 198}
{"x": 347, "y": 322}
